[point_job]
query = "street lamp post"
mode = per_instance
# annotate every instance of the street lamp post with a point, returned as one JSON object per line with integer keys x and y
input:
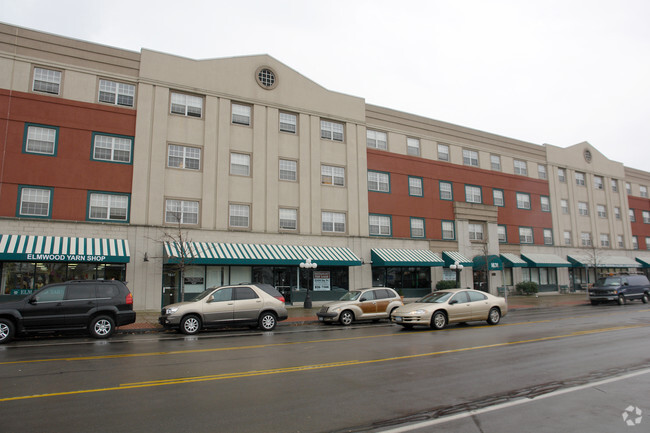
{"x": 307, "y": 264}
{"x": 457, "y": 267}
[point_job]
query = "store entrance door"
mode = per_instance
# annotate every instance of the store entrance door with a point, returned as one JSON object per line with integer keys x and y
{"x": 282, "y": 282}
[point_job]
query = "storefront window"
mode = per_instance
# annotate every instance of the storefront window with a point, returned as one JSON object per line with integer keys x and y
{"x": 408, "y": 281}
{"x": 18, "y": 278}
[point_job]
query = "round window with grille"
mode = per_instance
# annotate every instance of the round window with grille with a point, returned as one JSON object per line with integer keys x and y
{"x": 266, "y": 78}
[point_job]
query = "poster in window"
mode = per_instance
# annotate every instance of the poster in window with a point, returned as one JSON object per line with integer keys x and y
{"x": 322, "y": 281}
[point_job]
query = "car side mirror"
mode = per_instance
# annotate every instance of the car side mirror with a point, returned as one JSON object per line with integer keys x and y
{"x": 32, "y": 300}
{"x": 453, "y": 301}
{"x": 362, "y": 299}
{"x": 626, "y": 283}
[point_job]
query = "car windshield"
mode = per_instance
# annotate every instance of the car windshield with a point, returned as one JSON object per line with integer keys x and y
{"x": 436, "y": 297}
{"x": 609, "y": 281}
{"x": 351, "y": 296}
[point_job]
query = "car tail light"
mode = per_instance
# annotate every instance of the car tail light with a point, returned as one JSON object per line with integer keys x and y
{"x": 129, "y": 299}
{"x": 280, "y": 298}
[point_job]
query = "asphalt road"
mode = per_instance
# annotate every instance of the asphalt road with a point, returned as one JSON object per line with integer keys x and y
{"x": 541, "y": 370}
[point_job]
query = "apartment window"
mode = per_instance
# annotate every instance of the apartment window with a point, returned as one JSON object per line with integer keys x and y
{"x": 628, "y": 188}
{"x": 108, "y": 207}
{"x": 567, "y": 238}
{"x": 331, "y": 130}
{"x": 598, "y": 182}
{"x": 614, "y": 185}
{"x": 580, "y": 178}
{"x": 241, "y": 114}
{"x": 502, "y": 234}
{"x": 601, "y": 210}
{"x": 545, "y": 203}
{"x": 541, "y": 172}
{"x": 413, "y": 146}
{"x": 548, "y": 237}
{"x": 643, "y": 191}
{"x": 523, "y": 200}
{"x": 473, "y": 194}
{"x": 619, "y": 241}
{"x": 521, "y": 167}
{"x": 525, "y": 235}
{"x": 585, "y": 239}
{"x": 240, "y": 164}
{"x": 112, "y": 148}
{"x": 497, "y": 197}
{"x": 475, "y": 232}
{"x": 330, "y": 175}
{"x": 604, "y": 240}
{"x": 448, "y": 230}
{"x": 288, "y": 170}
{"x": 288, "y": 122}
{"x": 41, "y": 139}
{"x": 495, "y": 162}
{"x": 617, "y": 213}
{"x": 446, "y": 191}
{"x": 564, "y": 204}
{"x": 647, "y": 243}
{"x": 415, "y": 186}
{"x": 417, "y": 227}
{"x": 632, "y": 216}
{"x": 470, "y": 157}
{"x": 443, "y": 152}
{"x": 378, "y": 181}
{"x": 561, "y": 175}
{"x": 379, "y": 225}
{"x": 376, "y": 139}
{"x": 583, "y": 209}
{"x": 635, "y": 243}
{"x": 47, "y": 81}
{"x": 181, "y": 212}
{"x": 646, "y": 216}
{"x": 186, "y": 105}
{"x": 111, "y": 92}
{"x": 239, "y": 215}
{"x": 35, "y": 202}
{"x": 288, "y": 219}
{"x": 333, "y": 222}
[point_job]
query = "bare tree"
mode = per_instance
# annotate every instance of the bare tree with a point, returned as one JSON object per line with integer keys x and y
{"x": 180, "y": 242}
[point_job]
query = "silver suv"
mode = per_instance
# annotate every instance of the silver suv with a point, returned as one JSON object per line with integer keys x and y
{"x": 258, "y": 305}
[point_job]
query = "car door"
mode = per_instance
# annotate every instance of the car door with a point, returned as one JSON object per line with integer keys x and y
{"x": 459, "y": 308}
{"x": 44, "y": 309}
{"x": 219, "y": 307}
{"x": 382, "y": 301}
{"x": 79, "y": 302}
{"x": 368, "y": 304}
{"x": 480, "y": 305}
{"x": 247, "y": 304}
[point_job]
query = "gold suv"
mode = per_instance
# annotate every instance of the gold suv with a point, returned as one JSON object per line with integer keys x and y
{"x": 365, "y": 304}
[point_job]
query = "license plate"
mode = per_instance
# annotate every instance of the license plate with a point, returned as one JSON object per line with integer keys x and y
{"x": 320, "y": 318}
{"x": 398, "y": 319}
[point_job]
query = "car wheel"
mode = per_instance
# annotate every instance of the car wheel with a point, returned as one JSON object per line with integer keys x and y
{"x": 390, "y": 315}
{"x": 644, "y": 298}
{"x": 7, "y": 330}
{"x": 621, "y": 300}
{"x": 439, "y": 320}
{"x": 267, "y": 322}
{"x": 494, "y": 316}
{"x": 346, "y": 318}
{"x": 190, "y": 325}
{"x": 102, "y": 327}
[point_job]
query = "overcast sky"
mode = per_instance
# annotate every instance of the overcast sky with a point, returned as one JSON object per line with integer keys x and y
{"x": 558, "y": 72}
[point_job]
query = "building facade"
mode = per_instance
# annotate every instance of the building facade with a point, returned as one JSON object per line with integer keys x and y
{"x": 177, "y": 175}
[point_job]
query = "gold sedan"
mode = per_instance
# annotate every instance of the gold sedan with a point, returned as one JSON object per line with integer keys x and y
{"x": 440, "y": 308}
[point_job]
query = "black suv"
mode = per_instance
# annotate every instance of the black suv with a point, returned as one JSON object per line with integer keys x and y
{"x": 96, "y": 305}
{"x": 620, "y": 288}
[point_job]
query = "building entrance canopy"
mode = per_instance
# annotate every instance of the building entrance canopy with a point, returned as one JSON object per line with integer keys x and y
{"x": 494, "y": 263}
{"x": 27, "y": 248}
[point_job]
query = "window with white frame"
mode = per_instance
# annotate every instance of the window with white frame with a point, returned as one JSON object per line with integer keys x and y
{"x": 47, "y": 81}
{"x": 545, "y": 203}
{"x": 417, "y": 227}
{"x": 376, "y": 139}
{"x": 635, "y": 243}
{"x": 473, "y": 194}
{"x": 240, "y": 164}
{"x": 523, "y": 200}
{"x": 583, "y": 208}
{"x": 413, "y": 146}
{"x": 632, "y": 215}
{"x": 446, "y": 191}
{"x": 239, "y": 216}
{"x": 628, "y": 188}
{"x": 112, "y": 92}
{"x": 495, "y": 162}
{"x": 185, "y": 157}
{"x": 379, "y": 225}
{"x": 181, "y": 212}
{"x": 35, "y": 202}
{"x": 601, "y": 210}
{"x": 470, "y": 157}
{"x": 604, "y": 240}
{"x": 502, "y": 234}
{"x": 646, "y": 216}
{"x": 288, "y": 219}
{"x": 112, "y": 148}
{"x": 288, "y": 170}
{"x": 288, "y": 123}
{"x": 475, "y": 232}
{"x": 619, "y": 241}
{"x": 521, "y": 167}
{"x": 497, "y": 197}
{"x": 378, "y": 181}
{"x": 331, "y": 130}
{"x": 548, "y": 237}
{"x": 41, "y": 139}
{"x": 647, "y": 243}
{"x": 330, "y": 175}
{"x": 448, "y": 230}
{"x": 564, "y": 204}
{"x": 186, "y": 105}
{"x": 525, "y": 235}
{"x": 241, "y": 114}
{"x": 643, "y": 191}
{"x": 541, "y": 171}
{"x": 108, "y": 207}
{"x": 333, "y": 222}
{"x": 561, "y": 175}
{"x": 614, "y": 185}
{"x": 617, "y": 212}
{"x": 598, "y": 182}
{"x": 567, "y": 238}
{"x": 443, "y": 152}
{"x": 415, "y": 186}
{"x": 580, "y": 178}
{"x": 585, "y": 239}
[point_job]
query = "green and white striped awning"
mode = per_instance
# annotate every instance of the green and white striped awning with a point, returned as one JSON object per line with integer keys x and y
{"x": 28, "y": 248}
{"x": 601, "y": 261}
{"x": 209, "y": 253}
{"x": 451, "y": 257}
{"x": 644, "y": 261}
{"x": 399, "y": 257}
{"x": 513, "y": 261}
{"x": 545, "y": 261}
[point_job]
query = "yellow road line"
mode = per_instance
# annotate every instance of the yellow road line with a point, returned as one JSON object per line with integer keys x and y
{"x": 244, "y": 374}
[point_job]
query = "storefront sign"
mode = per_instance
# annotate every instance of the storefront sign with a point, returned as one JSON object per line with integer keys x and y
{"x": 322, "y": 281}
{"x": 65, "y": 258}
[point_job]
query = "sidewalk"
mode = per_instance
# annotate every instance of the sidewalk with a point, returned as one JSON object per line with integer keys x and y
{"x": 147, "y": 321}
